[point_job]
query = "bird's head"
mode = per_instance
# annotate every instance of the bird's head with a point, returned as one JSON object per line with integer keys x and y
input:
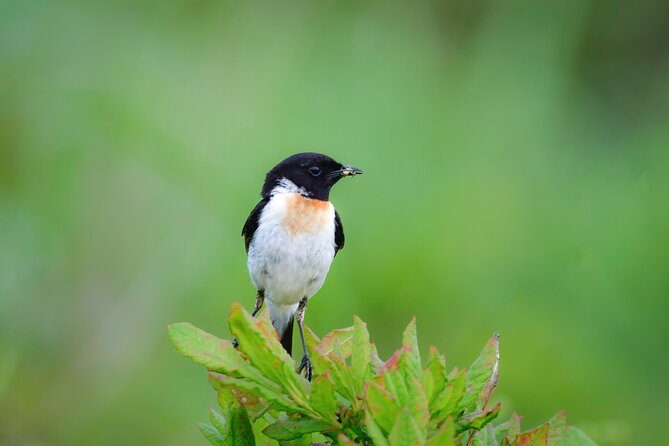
{"x": 312, "y": 174}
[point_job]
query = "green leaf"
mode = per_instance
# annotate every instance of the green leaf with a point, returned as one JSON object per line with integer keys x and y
{"x": 396, "y": 383}
{"x": 514, "y": 427}
{"x": 374, "y": 431}
{"x": 575, "y": 437}
{"x": 217, "y": 420}
{"x": 318, "y": 360}
{"x": 305, "y": 440}
{"x": 264, "y": 319}
{"x": 254, "y": 403}
{"x": 344, "y": 336}
{"x": 340, "y": 373}
{"x": 482, "y": 377}
{"x": 382, "y": 405}
{"x": 450, "y": 396}
{"x": 410, "y": 356}
{"x": 434, "y": 376}
{"x": 266, "y": 353}
{"x": 405, "y": 432}
{"x": 376, "y": 362}
{"x": 418, "y": 404}
{"x": 212, "y": 435}
{"x": 220, "y": 381}
{"x": 310, "y": 338}
{"x": 558, "y": 426}
{"x": 323, "y": 399}
{"x": 534, "y": 437}
{"x": 204, "y": 348}
{"x": 479, "y": 419}
{"x": 361, "y": 354}
{"x": 343, "y": 440}
{"x": 294, "y": 428}
{"x": 216, "y": 354}
{"x": 240, "y": 432}
{"x": 485, "y": 437}
{"x": 445, "y": 435}
{"x": 342, "y": 376}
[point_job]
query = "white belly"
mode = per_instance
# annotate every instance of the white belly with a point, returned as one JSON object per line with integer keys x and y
{"x": 291, "y": 251}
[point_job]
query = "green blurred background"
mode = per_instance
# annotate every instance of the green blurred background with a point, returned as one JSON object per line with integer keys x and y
{"x": 516, "y": 180}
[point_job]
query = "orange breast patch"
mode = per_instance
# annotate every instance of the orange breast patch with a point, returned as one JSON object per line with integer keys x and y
{"x": 305, "y": 214}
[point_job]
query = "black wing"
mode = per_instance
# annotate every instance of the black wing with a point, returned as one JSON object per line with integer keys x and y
{"x": 252, "y": 222}
{"x": 339, "y": 233}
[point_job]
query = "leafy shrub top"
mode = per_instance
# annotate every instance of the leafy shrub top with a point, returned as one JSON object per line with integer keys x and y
{"x": 355, "y": 397}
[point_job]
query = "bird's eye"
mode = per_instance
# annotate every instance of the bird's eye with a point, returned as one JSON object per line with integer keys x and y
{"x": 315, "y": 170}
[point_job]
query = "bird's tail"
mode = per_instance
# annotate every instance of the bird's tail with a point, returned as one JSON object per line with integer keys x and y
{"x": 287, "y": 336}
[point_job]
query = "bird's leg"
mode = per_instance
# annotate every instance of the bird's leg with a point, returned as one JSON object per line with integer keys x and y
{"x": 305, "y": 364}
{"x": 260, "y": 299}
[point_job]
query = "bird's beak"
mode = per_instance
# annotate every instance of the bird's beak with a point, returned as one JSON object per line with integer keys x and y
{"x": 347, "y": 171}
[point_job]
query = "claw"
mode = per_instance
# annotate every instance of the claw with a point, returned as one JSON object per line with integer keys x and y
{"x": 305, "y": 365}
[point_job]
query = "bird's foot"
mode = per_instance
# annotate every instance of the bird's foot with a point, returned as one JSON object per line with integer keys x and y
{"x": 307, "y": 367}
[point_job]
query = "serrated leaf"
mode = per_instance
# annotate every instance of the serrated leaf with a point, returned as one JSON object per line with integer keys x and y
{"x": 343, "y": 440}
{"x": 220, "y": 381}
{"x": 318, "y": 360}
{"x": 382, "y": 405}
{"x": 323, "y": 399}
{"x": 305, "y": 440}
{"x": 514, "y": 428}
{"x": 450, "y": 396}
{"x": 396, "y": 383}
{"x": 265, "y": 319}
{"x": 479, "y": 376}
{"x": 212, "y": 435}
{"x": 255, "y": 405}
{"x": 405, "y": 432}
{"x": 534, "y": 437}
{"x": 575, "y": 437}
{"x": 557, "y": 429}
{"x": 376, "y": 362}
{"x": 361, "y": 353}
{"x": 206, "y": 349}
{"x": 410, "y": 356}
{"x": 310, "y": 338}
{"x": 225, "y": 394}
{"x": 258, "y": 426}
{"x": 342, "y": 376}
{"x": 434, "y": 376}
{"x": 374, "y": 431}
{"x": 293, "y": 428}
{"x": 240, "y": 432}
{"x": 344, "y": 336}
{"x": 500, "y": 430}
{"x": 445, "y": 435}
{"x": 266, "y": 353}
{"x": 340, "y": 373}
{"x": 484, "y": 437}
{"x": 491, "y": 384}
{"x": 478, "y": 420}
{"x": 218, "y": 421}
{"x": 418, "y": 404}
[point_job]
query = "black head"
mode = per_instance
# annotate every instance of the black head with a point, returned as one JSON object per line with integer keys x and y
{"x": 313, "y": 172}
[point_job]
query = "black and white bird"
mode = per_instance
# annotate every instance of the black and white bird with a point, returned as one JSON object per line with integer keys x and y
{"x": 292, "y": 236}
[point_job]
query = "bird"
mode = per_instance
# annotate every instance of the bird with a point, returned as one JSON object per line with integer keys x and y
{"x": 291, "y": 237}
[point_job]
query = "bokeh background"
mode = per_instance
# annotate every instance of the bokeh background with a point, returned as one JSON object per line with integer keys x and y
{"x": 516, "y": 180}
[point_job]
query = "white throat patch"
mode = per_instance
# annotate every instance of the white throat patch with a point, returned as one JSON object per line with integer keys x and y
{"x": 285, "y": 186}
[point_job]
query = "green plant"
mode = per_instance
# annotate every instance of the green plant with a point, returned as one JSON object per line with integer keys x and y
{"x": 355, "y": 397}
